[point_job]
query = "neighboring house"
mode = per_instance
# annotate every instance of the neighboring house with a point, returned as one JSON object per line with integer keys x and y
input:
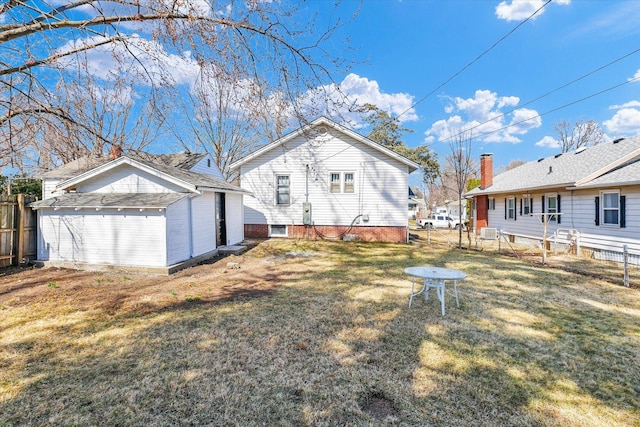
{"x": 326, "y": 181}
{"x": 417, "y": 206}
{"x": 155, "y": 212}
{"x": 595, "y": 190}
{"x": 452, "y": 209}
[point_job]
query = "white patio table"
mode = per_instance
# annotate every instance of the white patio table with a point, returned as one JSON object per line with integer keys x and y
{"x": 434, "y": 277}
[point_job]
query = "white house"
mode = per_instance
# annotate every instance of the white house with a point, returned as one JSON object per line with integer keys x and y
{"x": 153, "y": 212}
{"x": 595, "y": 191}
{"x": 416, "y": 204}
{"x": 326, "y": 181}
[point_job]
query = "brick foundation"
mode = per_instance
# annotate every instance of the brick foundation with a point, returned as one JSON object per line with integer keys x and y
{"x": 365, "y": 234}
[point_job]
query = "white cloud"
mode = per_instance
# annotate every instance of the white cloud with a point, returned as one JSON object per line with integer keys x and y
{"x": 338, "y": 101}
{"x": 146, "y": 60}
{"x": 630, "y": 104}
{"x": 548, "y": 142}
{"x": 484, "y": 118}
{"x": 516, "y": 10}
{"x": 636, "y": 76}
{"x": 625, "y": 121}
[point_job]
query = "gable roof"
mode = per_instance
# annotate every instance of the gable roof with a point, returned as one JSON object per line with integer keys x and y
{"x": 185, "y": 160}
{"x": 583, "y": 168}
{"x": 327, "y": 122}
{"x": 190, "y": 181}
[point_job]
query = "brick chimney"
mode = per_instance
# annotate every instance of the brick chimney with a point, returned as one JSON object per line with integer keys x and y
{"x": 486, "y": 170}
{"x": 116, "y": 151}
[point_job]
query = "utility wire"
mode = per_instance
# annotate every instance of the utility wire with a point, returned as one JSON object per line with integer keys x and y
{"x": 542, "y": 96}
{"x": 559, "y": 108}
{"x": 475, "y": 60}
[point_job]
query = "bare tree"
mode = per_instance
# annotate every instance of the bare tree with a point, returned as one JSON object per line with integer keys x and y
{"x": 512, "y": 165}
{"x": 583, "y": 133}
{"x": 153, "y": 45}
{"x": 462, "y": 169}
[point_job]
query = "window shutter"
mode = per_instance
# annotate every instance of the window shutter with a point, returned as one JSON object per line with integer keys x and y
{"x": 597, "y": 210}
{"x": 559, "y": 210}
{"x": 521, "y": 206}
{"x": 623, "y": 209}
{"x": 531, "y": 205}
{"x": 505, "y": 208}
{"x": 515, "y": 203}
{"x": 543, "y": 217}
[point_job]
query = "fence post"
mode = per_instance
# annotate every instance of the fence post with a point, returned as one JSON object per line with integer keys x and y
{"x": 625, "y": 252}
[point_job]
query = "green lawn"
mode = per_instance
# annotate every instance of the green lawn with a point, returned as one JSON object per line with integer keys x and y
{"x": 319, "y": 333}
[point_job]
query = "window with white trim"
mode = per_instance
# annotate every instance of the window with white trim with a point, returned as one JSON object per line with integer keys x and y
{"x": 526, "y": 205}
{"x": 610, "y": 207}
{"x": 552, "y": 207}
{"x": 349, "y": 182}
{"x": 334, "y": 183}
{"x": 342, "y": 182}
{"x": 492, "y": 204}
{"x": 283, "y": 190}
{"x": 511, "y": 208}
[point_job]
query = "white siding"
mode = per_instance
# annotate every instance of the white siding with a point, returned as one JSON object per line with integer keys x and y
{"x": 234, "y": 218}
{"x": 48, "y": 187}
{"x": 578, "y": 213}
{"x": 208, "y": 166}
{"x": 204, "y": 224}
{"x": 102, "y": 237}
{"x": 179, "y": 244}
{"x": 380, "y": 184}
{"x": 127, "y": 179}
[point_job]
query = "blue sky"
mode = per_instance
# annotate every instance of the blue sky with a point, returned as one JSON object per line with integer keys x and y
{"x": 423, "y": 61}
{"x": 406, "y": 49}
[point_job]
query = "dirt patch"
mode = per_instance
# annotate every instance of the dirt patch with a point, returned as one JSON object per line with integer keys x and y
{"x": 378, "y": 406}
{"x": 213, "y": 282}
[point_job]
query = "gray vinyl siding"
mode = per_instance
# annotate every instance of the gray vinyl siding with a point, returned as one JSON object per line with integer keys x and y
{"x": 48, "y": 187}
{"x": 380, "y": 183}
{"x": 578, "y": 209}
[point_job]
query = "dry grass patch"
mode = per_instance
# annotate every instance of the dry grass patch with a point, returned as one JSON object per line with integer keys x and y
{"x": 319, "y": 333}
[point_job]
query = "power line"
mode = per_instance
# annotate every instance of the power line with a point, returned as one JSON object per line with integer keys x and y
{"x": 475, "y": 60}
{"x": 558, "y": 108}
{"x": 542, "y": 96}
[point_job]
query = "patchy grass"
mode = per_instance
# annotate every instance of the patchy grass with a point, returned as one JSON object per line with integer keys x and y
{"x": 319, "y": 333}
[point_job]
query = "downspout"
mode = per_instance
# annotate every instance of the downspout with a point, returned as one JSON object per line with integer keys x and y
{"x": 190, "y": 225}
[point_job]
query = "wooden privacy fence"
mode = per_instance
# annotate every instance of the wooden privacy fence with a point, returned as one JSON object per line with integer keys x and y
{"x": 18, "y": 243}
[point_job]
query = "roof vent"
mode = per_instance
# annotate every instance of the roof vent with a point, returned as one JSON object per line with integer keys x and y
{"x": 580, "y": 150}
{"x": 557, "y": 155}
{"x": 615, "y": 141}
{"x": 541, "y": 159}
{"x": 550, "y": 169}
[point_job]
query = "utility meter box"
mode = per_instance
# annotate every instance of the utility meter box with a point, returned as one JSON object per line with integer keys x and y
{"x": 306, "y": 213}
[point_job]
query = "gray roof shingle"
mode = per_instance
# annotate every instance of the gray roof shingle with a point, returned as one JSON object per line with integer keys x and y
{"x": 569, "y": 169}
{"x": 110, "y": 200}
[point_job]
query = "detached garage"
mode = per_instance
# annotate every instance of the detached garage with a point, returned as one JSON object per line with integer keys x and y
{"x": 134, "y": 213}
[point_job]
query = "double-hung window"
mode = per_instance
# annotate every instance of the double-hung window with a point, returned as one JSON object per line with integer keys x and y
{"x": 342, "y": 182}
{"x": 283, "y": 190}
{"x": 492, "y": 204}
{"x": 526, "y": 205}
{"x": 552, "y": 208}
{"x": 511, "y": 208}
{"x": 611, "y": 208}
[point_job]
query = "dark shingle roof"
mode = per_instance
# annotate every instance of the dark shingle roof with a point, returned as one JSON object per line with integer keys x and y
{"x": 110, "y": 200}
{"x": 580, "y": 167}
{"x": 185, "y": 160}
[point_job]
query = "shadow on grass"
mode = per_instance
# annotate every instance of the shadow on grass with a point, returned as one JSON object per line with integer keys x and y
{"x": 320, "y": 339}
